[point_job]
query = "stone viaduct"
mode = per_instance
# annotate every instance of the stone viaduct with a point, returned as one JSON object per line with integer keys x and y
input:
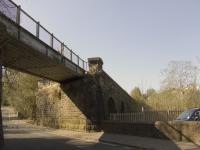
{"x": 83, "y": 103}
{"x": 78, "y": 99}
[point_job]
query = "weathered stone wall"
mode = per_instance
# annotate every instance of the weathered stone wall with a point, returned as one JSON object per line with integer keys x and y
{"x": 180, "y": 130}
{"x": 136, "y": 129}
{"x": 74, "y": 105}
{"x": 83, "y": 103}
{"x": 111, "y": 91}
{"x": 113, "y": 97}
{"x": 85, "y": 94}
{"x": 172, "y": 130}
{"x": 53, "y": 107}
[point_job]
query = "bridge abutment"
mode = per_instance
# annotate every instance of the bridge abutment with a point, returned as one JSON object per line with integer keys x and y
{"x": 82, "y": 104}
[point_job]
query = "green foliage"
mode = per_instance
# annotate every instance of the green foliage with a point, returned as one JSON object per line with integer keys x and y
{"x": 178, "y": 99}
{"x": 20, "y": 92}
{"x": 172, "y": 99}
{"x": 179, "y": 89}
{"x": 150, "y": 92}
{"x": 136, "y": 94}
{"x": 139, "y": 98}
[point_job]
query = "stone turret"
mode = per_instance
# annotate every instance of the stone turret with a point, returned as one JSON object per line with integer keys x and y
{"x": 95, "y": 65}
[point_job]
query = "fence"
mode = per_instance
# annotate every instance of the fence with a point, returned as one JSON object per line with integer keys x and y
{"x": 9, "y": 113}
{"x": 146, "y": 116}
{"x": 23, "y": 19}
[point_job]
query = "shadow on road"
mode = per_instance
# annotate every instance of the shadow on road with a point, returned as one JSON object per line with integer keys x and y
{"x": 43, "y": 144}
{"x": 37, "y": 138}
{"x": 57, "y": 144}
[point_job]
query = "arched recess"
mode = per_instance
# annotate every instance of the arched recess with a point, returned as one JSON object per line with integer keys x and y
{"x": 111, "y": 106}
{"x": 122, "y": 107}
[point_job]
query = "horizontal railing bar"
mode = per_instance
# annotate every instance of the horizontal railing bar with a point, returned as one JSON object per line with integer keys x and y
{"x": 13, "y": 3}
{"x": 57, "y": 39}
{"x": 67, "y": 47}
{"x": 73, "y": 53}
{"x": 80, "y": 59}
{"x": 28, "y": 15}
{"x": 45, "y": 29}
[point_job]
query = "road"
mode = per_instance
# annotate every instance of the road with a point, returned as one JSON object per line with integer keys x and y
{"x": 24, "y": 136}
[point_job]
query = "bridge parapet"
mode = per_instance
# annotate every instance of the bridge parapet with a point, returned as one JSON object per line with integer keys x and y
{"x": 18, "y": 16}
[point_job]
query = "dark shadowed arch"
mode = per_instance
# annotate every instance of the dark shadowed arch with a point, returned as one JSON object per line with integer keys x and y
{"x": 111, "y": 106}
{"x": 122, "y": 107}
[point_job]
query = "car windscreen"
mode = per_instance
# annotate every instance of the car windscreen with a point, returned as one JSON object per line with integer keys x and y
{"x": 185, "y": 115}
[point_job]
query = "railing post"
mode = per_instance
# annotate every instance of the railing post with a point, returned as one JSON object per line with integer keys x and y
{"x": 62, "y": 52}
{"x": 38, "y": 29}
{"x": 18, "y": 15}
{"x": 168, "y": 116}
{"x": 51, "y": 40}
{"x": 143, "y": 116}
{"x": 83, "y": 64}
{"x": 71, "y": 54}
{"x": 62, "y": 49}
{"x": 77, "y": 60}
{"x": 18, "y": 20}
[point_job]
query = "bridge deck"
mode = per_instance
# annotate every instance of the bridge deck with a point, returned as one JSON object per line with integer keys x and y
{"x": 23, "y": 51}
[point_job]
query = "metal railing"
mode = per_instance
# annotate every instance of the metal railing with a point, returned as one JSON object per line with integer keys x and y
{"x": 23, "y": 19}
{"x": 145, "y": 117}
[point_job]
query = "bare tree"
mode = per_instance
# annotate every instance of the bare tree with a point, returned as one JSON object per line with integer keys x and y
{"x": 179, "y": 75}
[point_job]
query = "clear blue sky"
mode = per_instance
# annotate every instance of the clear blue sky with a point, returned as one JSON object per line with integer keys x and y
{"x": 135, "y": 38}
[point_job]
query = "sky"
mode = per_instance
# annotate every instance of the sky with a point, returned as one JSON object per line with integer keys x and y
{"x": 135, "y": 38}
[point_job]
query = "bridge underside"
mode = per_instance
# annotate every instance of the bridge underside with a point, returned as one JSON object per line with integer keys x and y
{"x": 24, "y": 52}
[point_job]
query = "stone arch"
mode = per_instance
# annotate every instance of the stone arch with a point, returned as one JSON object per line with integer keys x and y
{"x": 111, "y": 106}
{"x": 122, "y": 107}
